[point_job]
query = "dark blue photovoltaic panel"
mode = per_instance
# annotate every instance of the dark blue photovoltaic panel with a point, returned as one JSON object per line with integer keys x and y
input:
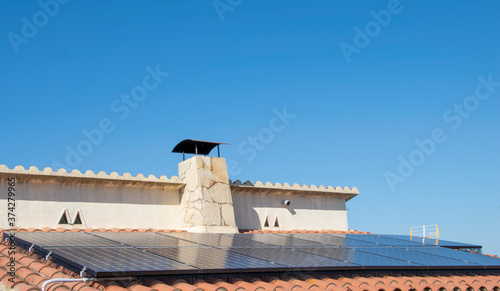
{"x": 329, "y": 240}
{"x": 415, "y": 257}
{"x": 434, "y": 242}
{"x": 379, "y": 240}
{"x": 137, "y": 239}
{"x": 290, "y": 258}
{"x": 119, "y": 261}
{"x": 359, "y": 258}
{"x": 212, "y": 259}
{"x": 120, "y": 254}
{"x": 277, "y": 240}
{"x": 459, "y": 255}
{"x": 64, "y": 239}
{"x": 216, "y": 240}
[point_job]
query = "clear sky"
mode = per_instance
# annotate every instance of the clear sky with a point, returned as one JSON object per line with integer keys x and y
{"x": 400, "y": 99}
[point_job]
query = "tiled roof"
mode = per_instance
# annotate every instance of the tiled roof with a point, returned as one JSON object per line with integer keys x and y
{"x": 32, "y": 272}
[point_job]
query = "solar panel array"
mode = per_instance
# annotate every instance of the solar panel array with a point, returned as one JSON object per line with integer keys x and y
{"x": 104, "y": 254}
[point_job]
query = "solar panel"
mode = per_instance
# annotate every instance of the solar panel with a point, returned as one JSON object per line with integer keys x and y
{"x": 106, "y": 254}
{"x": 416, "y": 257}
{"x": 137, "y": 239}
{"x": 434, "y": 242}
{"x": 355, "y": 257}
{"x": 217, "y": 240}
{"x": 277, "y": 240}
{"x": 64, "y": 239}
{"x": 105, "y": 262}
{"x": 290, "y": 258}
{"x": 329, "y": 239}
{"x": 459, "y": 255}
{"x": 214, "y": 260}
{"x": 378, "y": 240}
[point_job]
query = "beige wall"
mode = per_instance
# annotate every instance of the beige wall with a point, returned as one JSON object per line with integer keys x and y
{"x": 42, "y": 204}
{"x": 311, "y": 212}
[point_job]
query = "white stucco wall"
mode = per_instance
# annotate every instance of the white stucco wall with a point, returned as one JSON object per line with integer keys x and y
{"x": 308, "y": 212}
{"x": 42, "y": 204}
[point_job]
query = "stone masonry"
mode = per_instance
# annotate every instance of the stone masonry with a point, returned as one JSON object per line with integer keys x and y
{"x": 206, "y": 203}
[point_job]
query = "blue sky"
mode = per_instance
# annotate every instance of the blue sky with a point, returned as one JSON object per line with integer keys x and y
{"x": 398, "y": 98}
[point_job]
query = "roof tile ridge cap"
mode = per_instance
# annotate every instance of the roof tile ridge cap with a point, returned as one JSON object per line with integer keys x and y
{"x": 311, "y": 187}
{"x": 260, "y": 184}
{"x": 116, "y": 176}
{"x": 88, "y": 174}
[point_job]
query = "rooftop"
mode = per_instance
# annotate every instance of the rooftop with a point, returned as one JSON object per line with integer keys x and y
{"x": 33, "y": 270}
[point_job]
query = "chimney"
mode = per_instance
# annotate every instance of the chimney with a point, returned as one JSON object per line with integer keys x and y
{"x": 206, "y": 203}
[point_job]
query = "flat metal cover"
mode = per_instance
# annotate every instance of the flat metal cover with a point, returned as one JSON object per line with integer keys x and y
{"x": 199, "y": 147}
{"x": 105, "y": 254}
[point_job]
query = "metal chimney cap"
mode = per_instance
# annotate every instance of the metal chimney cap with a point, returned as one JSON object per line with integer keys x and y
{"x": 197, "y": 147}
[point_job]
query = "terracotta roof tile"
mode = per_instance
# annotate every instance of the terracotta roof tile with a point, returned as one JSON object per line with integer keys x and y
{"x": 24, "y": 287}
{"x": 4, "y": 260}
{"x": 164, "y": 287}
{"x": 114, "y": 287}
{"x": 24, "y": 272}
{"x": 26, "y": 261}
{"x": 210, "y": 287}
{"x": 157, "y": 284}
{"x": 248, "y": 286}
{"x": 303, "y": 284}
{"x": 85, "y": 287}
{"x": 229, "y": 287}
{"x": 184, "y": 286}
{"x": 320, "y": 283}
{"x": 3, "y": 273}
{"x": 49, "y": 271}
{"x": 267, "y": 286}
{"x": 287, "y": 285}
{"x": 138, "y": 287}
{"x": 6, "y": 281}
{"x": 35, "y": 279}
{"x": 37, "y": 266}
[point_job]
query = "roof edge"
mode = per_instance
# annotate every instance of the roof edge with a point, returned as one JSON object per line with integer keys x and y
{"x": 309, "y": 189}
{"x": 62, "y": 173}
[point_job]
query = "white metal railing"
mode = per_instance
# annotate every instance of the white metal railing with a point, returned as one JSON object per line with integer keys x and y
{"x": 426, "y": 231}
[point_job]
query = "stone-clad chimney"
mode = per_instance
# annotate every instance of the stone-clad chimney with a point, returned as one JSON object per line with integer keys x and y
{"x": 206, "y": 203}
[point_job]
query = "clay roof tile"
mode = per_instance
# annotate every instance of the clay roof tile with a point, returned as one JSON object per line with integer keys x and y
{"x": 229, "y": 287}
{"x": 113, "y": 287}
{"x": 24, "y": 287}
{"x": 187, "y": 287}
{"x": 138, "y": 287}
{"x": 266, "y": 285}
{"x": 248, "y": 286}
{"x": 49, "y": 271}
{"x": 210, "y": 287}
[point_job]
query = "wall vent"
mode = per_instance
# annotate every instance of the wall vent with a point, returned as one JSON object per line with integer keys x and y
{"x": 276, "y": 222}
{"x": 78, "y": 219}
{"x": 64, "y": 217}
{"x": 266, "y": 224}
